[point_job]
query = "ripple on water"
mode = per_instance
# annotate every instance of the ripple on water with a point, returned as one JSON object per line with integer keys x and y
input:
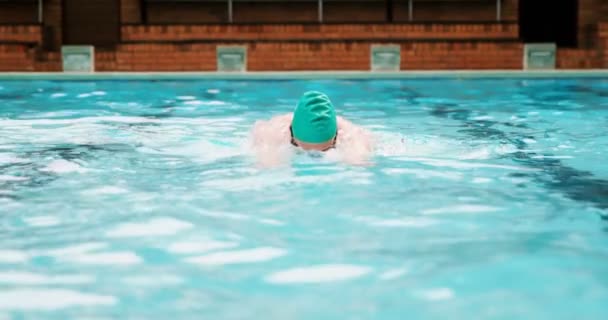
{"x": 117, "y": 258}
{"x": 466, "y": 208}
{"x": 318, "y": 274}
{"x": 28, "y": 278}
{"x": 12, "y": 178}
{"x": 50, "y": 299}
{"x": 106, "y": 190}
{"x": 200, "y": 246}
{"x": 438, "y": 294}
{"x": 157, "y": 280}
{"x": 63, "y": 166}
{"x": 393, "y": 273}
{"x": 154, "y": 227}
{"x": 13, "y": 256}
{"x": 90, "y": 254}
{"x": 235, "y": 257}
{"x": 41, "y": 221}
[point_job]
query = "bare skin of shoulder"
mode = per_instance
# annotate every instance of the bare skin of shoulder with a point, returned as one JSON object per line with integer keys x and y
{"x": 271, "y": 141}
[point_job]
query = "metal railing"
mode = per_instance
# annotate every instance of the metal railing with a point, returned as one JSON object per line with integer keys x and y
{"x": 320, "y": 16}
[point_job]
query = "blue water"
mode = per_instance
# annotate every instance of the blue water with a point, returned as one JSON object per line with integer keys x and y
{"x": 487, "y": 199}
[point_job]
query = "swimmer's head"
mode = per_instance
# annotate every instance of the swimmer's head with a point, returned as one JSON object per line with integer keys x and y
{"x": 314, "y": 125}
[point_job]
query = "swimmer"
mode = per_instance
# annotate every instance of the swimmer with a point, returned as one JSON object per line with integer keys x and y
{"x": 313, "y": 127}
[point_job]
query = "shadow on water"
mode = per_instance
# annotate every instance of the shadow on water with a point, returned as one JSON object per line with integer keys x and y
{"x": 576, "y": 184}
{"x": 33, "y": 172}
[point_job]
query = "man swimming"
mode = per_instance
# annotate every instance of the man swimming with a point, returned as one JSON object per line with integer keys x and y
{"x": 313, "y": 126}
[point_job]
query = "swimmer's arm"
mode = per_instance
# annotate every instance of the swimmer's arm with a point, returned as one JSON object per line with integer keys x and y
{"x": 360, "y": 138}
{"x": 271, "y": 132}
{"x": 356, "y": 143}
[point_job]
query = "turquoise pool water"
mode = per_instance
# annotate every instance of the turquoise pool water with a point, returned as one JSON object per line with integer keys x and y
{"x": 488, "y": 199}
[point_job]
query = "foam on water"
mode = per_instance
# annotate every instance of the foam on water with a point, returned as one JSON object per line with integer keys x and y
{"x": 50, "y": 299}
{"x": 237, "y": 257}
{"x": 155, "y": 227}
{"x": 318, "y": 274}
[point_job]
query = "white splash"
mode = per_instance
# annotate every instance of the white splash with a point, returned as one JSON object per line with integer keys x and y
{"x": 154, "y": 227}
{"x": 41, "y": 221}
{"x": 107, "y": 190}
{"x": 481, "y": 180}
{"x": 118, "y": 258}
{"x": 159, "y": 280}
{"x": 235, "y": 257}
{"x": 465, "y": 208}
{"x": 438, "y": 294}
{"x": 272, "y": 222}
{"x": 463, "y": 164}
{"x": 481, "y": 118}
{"x": 28, "y": 278}
{"x": 552, "y": 157}
{"x": 7, "y": 158}
{"x": 58, "y": 95}
{"x": 200, "y": 247}
{"x": 186, "y": 98}
{"x": 12, "y": 178}
{"x": 50, "y": 299}
{"x": 424, "y": 174}
{"x": 63, "y": 166}
{"x": 193, "y": 103}
{"x": 12, "y": 256}
{"x": 318, "y": 274}
{"x": 404, "y": 222}
{"x": 77, "y": 249}
{"x": 393, "y": 274}
{"x": 213, "y": 91}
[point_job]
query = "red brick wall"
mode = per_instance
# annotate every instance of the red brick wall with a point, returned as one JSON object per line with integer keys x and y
{"x": 161, "y": 57}
{"x": 12, "y": 12}
{"x": 16, "y": 57}
{"x": 578, "y": 59}
{"x": 318, "y": 32}
{"x": 308, "y": 56}
{"x": 588, "y": 17}
{"x": 338, "y": 55}
{"x": 21, "y": 33}
{"x": 603, "y": 44}
{"x": 461, "y": 55}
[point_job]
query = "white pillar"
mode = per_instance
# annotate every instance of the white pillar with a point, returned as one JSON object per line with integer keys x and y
{"x": 498, "y": 10}
{"x": 320, "y": 10}
{"x": 410, "y": 9}
{"x": 40, "y": 11}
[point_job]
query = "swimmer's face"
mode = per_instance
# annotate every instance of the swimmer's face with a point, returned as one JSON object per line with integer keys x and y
{"x": 322, "y": 147}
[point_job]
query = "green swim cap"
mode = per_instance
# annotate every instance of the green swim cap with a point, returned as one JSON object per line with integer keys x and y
{"x": 314, "y": 120}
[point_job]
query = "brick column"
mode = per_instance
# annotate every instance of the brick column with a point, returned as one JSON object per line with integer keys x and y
{"x": 603, "y": 43}
{"x": 52, "y": 31}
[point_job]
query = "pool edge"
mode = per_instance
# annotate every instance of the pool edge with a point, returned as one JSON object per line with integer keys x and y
{"x": 469, "y": 74}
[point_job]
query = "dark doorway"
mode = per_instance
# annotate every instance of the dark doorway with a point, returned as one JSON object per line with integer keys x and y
{"x": 549, "y": 21}
{"x": 91, "y": 22}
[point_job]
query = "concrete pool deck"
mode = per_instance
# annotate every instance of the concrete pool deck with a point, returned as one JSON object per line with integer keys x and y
{"x": 455, "y": 74}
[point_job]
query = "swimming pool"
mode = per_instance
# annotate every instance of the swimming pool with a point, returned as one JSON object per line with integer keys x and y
{"x": 141, "y": 200}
